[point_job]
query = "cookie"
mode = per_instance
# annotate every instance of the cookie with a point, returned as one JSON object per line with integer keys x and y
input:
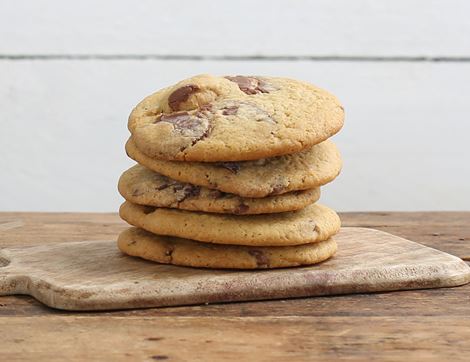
{"x": 311, "y": 224}
{"x": 261, "y": 178}
{"x": 211, "y": 119}
{"x": 171, "y": 250}
{"x": 142, "y": 186}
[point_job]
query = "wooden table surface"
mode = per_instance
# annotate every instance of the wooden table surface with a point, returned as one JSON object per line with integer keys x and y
{"x": 410, "y": 325}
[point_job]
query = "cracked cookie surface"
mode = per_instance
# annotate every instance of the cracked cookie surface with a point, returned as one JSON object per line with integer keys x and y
{"x": 185, "y": 252}
{"x": 311, "y": 224}
{"x": 265, "y": 177}
{"x": 142, "y": 186}
{"x": 233, "y": 118}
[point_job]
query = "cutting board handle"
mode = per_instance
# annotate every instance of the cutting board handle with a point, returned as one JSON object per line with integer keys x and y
{"x": 10, "y": 281}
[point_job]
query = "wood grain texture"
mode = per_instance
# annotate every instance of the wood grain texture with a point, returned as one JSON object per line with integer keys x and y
{"x": 418, "y": 325}
{"x": 90, "y": 275}
{"x": 237, "y": 338}
{"x": 266, "y": 27}
{"x": 396, "y": 114}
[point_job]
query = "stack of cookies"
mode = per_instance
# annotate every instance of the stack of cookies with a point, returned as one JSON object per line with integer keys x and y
{"x": 229, "y": 171}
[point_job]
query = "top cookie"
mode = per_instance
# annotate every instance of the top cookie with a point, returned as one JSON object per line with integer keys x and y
{"x": 210, "y": 119}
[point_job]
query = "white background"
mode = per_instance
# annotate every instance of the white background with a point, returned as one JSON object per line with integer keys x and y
{"x": 70, "y": 72}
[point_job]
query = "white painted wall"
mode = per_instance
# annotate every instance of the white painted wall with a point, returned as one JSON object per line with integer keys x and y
{"x": 66, "y": 91}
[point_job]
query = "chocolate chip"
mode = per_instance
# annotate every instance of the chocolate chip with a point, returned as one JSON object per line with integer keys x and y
{"x": 230, "y": 110}
{"x": 241, "y": 209}
{"x": 206, "y": 107}
{"x": 137, "y": 192}
{"x": 216, "y": 194}
{"x": 181, "y": 95}
{"x": 276, "y": 190}
{"x": 180, "y": 120}
{"x": 192, "y": 190}
{"x": 233, "y": 167}
{"x": 148, "y": 209}
{"x": 188, "y": 190}
{"x": 250, "y": 85}
{"x": 313, "y": 224}
{"x": 195, "y": 126}
{"x": 162, "y": 187}
{"x": 261, "y": 258}
{"x": 178, "y": 186}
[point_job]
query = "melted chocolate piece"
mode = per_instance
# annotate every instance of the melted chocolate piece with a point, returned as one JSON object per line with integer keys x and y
{"x": 192, "y": 190}
{"x": 137, "y": 192}
{"x": 149, "y": 209}
{"x": 216, "y": 194}
{"x": 169, "y": 251}
{"x": 241, "y": 209}
{"x": 206, "y": 107}
{"x": 230, "y": 110}
{"x": 276, "y": 190}
{"x": 180, "y": 120}
{"x": 181, "y": 95}
{"x": 162, "y": 187}
{"x": 233, "y": 167}
{"x": 196, "y": 126}
{"x": 250, "y": 85}
{"x": 178, "y": 186}
{"x": 261, "y": 259}
{"x": 188, "y": 191}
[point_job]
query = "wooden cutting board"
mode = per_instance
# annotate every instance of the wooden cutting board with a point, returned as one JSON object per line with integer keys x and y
{"x": 94, "y": 275}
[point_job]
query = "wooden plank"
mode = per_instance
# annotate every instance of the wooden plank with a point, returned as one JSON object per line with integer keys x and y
{"x": 429, "y": 28}
{"x": 80, "y": 111}
{"x": 303, "y": 338}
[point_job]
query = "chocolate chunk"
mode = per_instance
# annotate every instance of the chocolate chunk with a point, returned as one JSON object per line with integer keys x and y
{"x": 137, "y": 192}
{"x": 314, "y": 225}
{"x": 230, "y": 110}
{"x": 241, "y": 209}
{"x": 233, "y": 167}
{"x": 188, "y": 190}
{"x": 162, "y": 187}
{"x": 276, "y": 190}
{"x": 261, "y": 258}
{"x": 181, "y": 95}
{"x": 196, "y": 126}
{"x": 192, "y": 190}
{"x": 180, "y": 120}
{"x": 250, "y": 85}
{"x": 169, "y": 251}
{"x": 206, "y": 107}
{"x": 178, "y": 186}
{"x": 216, "y": 194}
{"x": 148, "y": 209}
